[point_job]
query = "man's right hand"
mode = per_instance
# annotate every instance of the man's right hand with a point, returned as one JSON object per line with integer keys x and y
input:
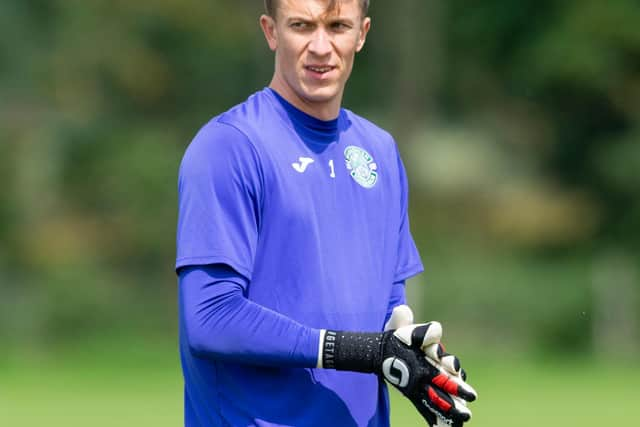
{"x": 402, "y": 315}
{"x": 438, "y": 394}
{"x": 399, "y": 357}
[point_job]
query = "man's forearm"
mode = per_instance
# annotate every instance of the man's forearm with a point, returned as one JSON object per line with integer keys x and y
{"x": 220, "y": 323}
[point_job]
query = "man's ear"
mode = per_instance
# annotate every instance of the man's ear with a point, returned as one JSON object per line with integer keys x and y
{"x": 268, "y": 25}
{"x": 364, "y": 29}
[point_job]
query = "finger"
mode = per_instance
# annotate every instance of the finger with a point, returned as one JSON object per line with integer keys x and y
{"x": 400, "y": 316}
{"x": 460, "y": 404}
{"x": 454, "y": 386}
{"x": 419, "y": 335}
{"x": 446, "y": 406}
{"x": 426, "y": 334}
{"x": 451, "y": 364}
{"x": 466, "y": 392}
{"x": 448, "y": 362}
{"x": 452, "y": 377}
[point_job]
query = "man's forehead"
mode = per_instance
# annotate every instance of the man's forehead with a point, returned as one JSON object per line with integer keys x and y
{"x": 319, "y": 8}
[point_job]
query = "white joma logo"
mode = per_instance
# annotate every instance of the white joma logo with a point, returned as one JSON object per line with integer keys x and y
{"x": 302, "y": 165}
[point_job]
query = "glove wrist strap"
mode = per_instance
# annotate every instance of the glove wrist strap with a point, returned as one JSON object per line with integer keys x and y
{"x": 351, "y": 351}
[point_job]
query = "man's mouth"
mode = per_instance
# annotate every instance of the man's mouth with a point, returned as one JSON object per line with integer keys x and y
{"x": 319, "y": 68}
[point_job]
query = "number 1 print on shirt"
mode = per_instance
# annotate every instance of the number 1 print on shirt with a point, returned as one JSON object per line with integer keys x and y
{"x": 303, "y": 162}
{"x": 333, "y": 171}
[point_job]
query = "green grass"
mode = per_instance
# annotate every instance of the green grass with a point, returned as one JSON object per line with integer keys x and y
{"x": 142, "y": 387}
{"x": 529, "y": 394}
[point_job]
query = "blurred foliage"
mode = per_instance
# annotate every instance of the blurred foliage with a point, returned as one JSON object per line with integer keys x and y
{"x": 519, "y": 123}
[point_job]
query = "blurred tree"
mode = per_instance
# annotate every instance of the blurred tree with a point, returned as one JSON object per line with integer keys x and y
{"x": 524, "y": 117}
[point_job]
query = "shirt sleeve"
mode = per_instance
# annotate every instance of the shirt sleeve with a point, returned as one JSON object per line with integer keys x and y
{"x": 398, "y": 297}
{"x": 220, "y": 323}
{"x": 409, "y": 263}
{"x": 219, "y": 190}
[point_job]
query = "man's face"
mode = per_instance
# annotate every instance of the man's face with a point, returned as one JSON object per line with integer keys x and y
{"x": 314, "y": 49}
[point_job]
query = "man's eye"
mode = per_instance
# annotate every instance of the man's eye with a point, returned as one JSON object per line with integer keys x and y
{"x": 299, "y": 25}
{"x": 339, "y": 26}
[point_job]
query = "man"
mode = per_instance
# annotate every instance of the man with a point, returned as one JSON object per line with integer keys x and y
{"x": 293, "y": 248}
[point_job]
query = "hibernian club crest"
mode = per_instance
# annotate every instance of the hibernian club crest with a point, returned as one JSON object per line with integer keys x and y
{"x": 361, "y": 166}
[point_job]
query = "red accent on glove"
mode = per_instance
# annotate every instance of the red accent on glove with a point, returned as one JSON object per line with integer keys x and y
{"x": 439, "y": 401}
{"x": 442, "y": 381}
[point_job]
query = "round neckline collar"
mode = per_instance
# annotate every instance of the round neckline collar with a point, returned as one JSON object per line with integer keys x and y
{"x": 317, "y": 130}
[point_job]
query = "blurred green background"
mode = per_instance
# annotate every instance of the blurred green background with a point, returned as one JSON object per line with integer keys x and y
{"x": 519, "y": 123}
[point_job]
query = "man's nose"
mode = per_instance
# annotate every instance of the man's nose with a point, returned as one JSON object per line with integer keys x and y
{"x": 320, "y": 44}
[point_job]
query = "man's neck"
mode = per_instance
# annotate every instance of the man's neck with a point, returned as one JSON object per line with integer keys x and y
{"x": 329, "y": 110}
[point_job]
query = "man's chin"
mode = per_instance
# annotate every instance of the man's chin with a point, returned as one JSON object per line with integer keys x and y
{"x": 321, "y": 95}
